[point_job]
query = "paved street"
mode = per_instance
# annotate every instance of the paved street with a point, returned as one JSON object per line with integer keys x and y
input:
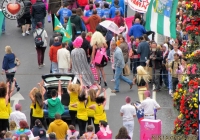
{"x": 28, "y": 75}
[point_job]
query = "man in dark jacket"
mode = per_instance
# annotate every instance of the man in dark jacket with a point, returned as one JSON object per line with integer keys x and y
{"x": 73, "y": 27}
{"x": 38, "y": 13}
{"x": 75, "y": 19}
{"x": 156, "y": 64}
{"x": 144, "y": 51}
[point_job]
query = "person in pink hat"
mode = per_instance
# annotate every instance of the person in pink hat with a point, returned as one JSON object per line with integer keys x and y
{"x": 80, "y": 64}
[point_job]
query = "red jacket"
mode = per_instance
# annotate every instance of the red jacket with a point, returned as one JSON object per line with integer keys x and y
{"x": 53, "y": 52}
{"x": 118, "y": 20}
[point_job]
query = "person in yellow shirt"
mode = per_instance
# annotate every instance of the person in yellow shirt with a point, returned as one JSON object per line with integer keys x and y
{"x": 37, "y": 103}
{"x": 100, "y": 114}
{"x": 73, "y": 91}
{"x": 5, "y": 94}
{"x": 92, "y": 94}
{"x": 82, "y": 115}
{"x": 59, "y": 127}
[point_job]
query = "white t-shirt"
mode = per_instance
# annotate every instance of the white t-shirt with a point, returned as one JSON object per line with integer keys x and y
{"x": 17, "y": 116}
{"x": 44, "y": 35}
{"x": 148, "y": 105}
{"x": 128, "y": 111}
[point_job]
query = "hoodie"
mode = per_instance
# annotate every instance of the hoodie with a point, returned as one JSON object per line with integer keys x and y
{"x": 59, "y": 127}
{"x": 115, "y": 8}
{"x": 77, "y": 21}
{"x": 53, "y": 51}
{"x": 55, "y": 106}
{"x": 93, "y": 21}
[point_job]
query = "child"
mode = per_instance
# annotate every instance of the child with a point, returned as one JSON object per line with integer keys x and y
{"x": 173, "y": 67}
{"x": 72, "y": 133}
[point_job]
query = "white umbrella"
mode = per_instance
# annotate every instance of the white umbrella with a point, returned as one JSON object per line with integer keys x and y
{"x": 110, "y": 25}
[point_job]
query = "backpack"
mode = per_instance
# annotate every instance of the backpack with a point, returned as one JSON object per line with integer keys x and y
{"x": 38, "y": 39}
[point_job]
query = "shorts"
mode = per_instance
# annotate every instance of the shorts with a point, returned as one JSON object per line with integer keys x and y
{"x": 25, "y": 20}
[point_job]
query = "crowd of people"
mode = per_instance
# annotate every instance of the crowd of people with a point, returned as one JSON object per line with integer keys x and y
{"x": 160, "y": 64}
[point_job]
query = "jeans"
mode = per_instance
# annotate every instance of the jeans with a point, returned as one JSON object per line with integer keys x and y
{"x": 35, "y": 21}
{"x": 82, "y": 125}
{"x": 170, "y": 80}
{"x": 10, "y": 77}
{"x": 134, "y": 64}
{"x": 3, "y": 25}
{"x": 125, "y": 10}
{"x": 118, "y": 76}
{"x": 174, "y": 82}
{"x": 54, "y": 67}
{"x": 130, "y": 127}
{"x": 40, "y": 54}
{"x": 156, "y": 78}
{"x": 165, "y": 77}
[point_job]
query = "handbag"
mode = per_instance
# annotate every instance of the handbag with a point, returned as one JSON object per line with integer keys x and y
{"x": 126, "y": 70}
{"x": 100, "y": 55}
{"x": 94, "y": 72}
{"x": 17, "y": 61}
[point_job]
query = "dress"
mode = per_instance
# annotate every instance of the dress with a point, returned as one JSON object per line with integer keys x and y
{"x": 80, "y": 66}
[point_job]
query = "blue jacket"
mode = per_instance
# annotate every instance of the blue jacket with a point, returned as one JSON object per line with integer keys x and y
{"x": 115, "y": 8}
{"x": 88, "y": 13}
{"x": 8, "y": 62}
{"x": 137, "y": 30}
{"x": 100, "y": 12}
{"x": 121, "y": 4}
{"x": 106, "y": 13}
{"x": 144, "y": 51}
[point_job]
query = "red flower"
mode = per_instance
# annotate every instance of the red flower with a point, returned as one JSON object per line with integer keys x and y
{"x": 180, "y": 85}
{"x": 186, "y": 132}
{"x": 196, "y": 33}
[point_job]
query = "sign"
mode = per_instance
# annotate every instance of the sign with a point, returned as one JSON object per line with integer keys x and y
{"x": 108, "y": 94}
{"x": 16, "y": 98}
{"x": 13, "y": 9}
{"x": 139, "y": 5}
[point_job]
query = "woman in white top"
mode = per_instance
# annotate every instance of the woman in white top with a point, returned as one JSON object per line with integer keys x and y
{"x": 39, "y": 31}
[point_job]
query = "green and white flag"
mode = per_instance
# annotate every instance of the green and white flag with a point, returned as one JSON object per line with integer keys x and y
{"x": 68, "y": 32}
{"x": 59, "y": 28}
{"x": 161, "y": 17}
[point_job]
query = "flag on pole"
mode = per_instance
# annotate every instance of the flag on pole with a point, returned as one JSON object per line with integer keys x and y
{"x": 68, "y": 32}
{"x": 59, "y": 28}
{"x": 1, "y": 20}
{"x": 161, "y": 17}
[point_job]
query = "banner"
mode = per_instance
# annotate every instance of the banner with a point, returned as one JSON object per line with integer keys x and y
{"x": 139, "y": 5}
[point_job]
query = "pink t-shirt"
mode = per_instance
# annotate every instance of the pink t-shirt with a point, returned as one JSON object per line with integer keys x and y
{"x": 101, "y": 136}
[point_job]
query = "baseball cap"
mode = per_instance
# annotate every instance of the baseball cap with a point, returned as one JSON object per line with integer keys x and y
{"x": 42, "y": 134}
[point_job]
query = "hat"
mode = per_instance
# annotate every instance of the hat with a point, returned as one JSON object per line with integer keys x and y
{"x": 165, "y": 45}
{"x": 128, "y": 99}
{"x": 121, "y": 29}
{"x": 78, "y": 42}
{"x": 39, "y": 25}
{"x": 18, "y": 106}
{"x": 42, "y": 134}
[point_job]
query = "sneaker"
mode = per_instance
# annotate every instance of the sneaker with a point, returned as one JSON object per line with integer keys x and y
{"x": 23, "y": 34}
{"x": 3, "y": 32}
{"x": 18, "y": 88}
{"x": 27, "y": 32}
{"x": 43, "y": 65}
{"x": 40, "y": 66}
{"x": 170, "y": 92}
{"x": 114, "y": 91}
{"x": 113, "y": 80}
